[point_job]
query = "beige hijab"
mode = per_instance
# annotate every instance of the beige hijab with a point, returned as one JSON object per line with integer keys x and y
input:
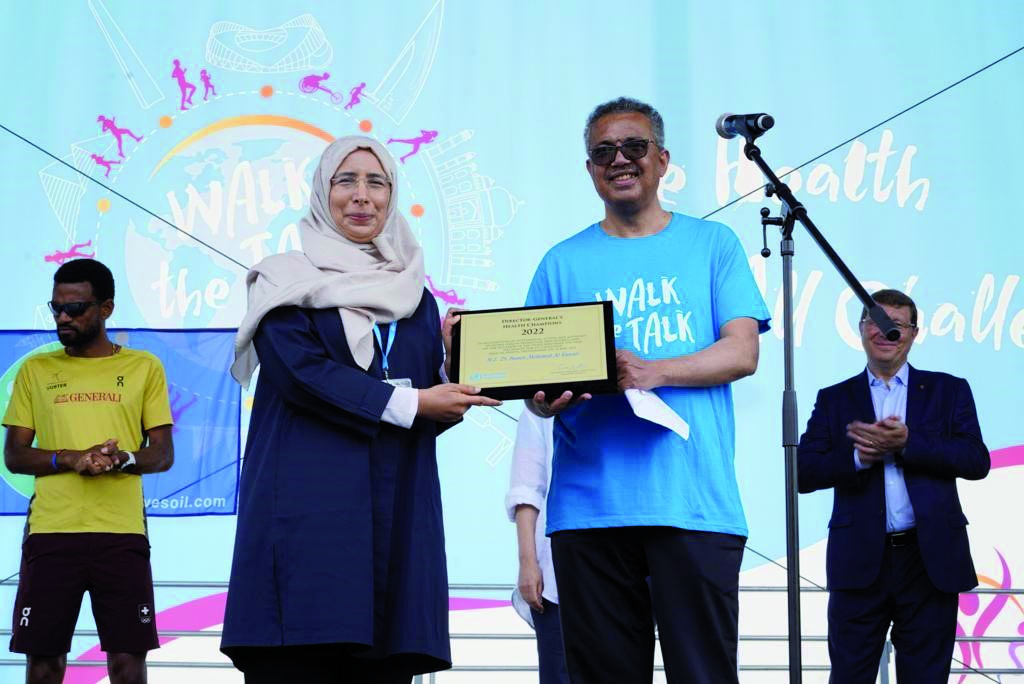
{"x": 377, "y": 282}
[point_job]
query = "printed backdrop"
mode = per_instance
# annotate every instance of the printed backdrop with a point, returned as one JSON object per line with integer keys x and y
{"x": 205, "y": 406}
{"x": 183, "y": 137}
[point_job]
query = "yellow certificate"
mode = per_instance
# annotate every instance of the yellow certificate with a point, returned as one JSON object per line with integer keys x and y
{"x": 514, "y": 353}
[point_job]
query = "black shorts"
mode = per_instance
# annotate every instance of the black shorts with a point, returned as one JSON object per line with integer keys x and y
{"x": 57, "y": 569}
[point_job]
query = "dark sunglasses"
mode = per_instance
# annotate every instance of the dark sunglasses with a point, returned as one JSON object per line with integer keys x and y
{"x": 603, "y": 155}
{"x": 73, "y": 309}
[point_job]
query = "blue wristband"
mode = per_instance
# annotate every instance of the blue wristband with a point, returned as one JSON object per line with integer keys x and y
{"x": 53, "y": 460}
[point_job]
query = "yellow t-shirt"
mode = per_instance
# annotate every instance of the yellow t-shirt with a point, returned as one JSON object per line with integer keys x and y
{"x": 75, "y": 403}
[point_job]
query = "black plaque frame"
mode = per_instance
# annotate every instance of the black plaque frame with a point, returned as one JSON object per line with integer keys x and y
{"x": 607, "y": 385}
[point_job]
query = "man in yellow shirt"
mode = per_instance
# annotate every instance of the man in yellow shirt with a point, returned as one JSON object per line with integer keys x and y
{"x": 99, "y": 416}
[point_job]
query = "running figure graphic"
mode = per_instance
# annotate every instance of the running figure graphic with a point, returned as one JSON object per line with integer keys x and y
{"x": 187, "y": 89}
{"x": 450, "y": 297}
{"x": 109, "y": 126}
{"x": 312, "y": 83}
{"x": 105, "y": 163}
{"x": 60, "y": 257}
{"x": 424, "y": 137}
{"x": 354, "y": 96}
{"x": 208, "y": 88}
{"x": 178, "y": 406}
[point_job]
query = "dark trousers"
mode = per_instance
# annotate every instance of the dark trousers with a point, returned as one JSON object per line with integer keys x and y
{"x": 550, "y": 655}
{"x": 608, "y": 611}
{"x": 923, "y": 624}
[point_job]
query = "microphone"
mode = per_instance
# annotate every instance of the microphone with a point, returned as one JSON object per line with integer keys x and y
{"x": 750, "y": 126}
{"x": 884, "y": 323}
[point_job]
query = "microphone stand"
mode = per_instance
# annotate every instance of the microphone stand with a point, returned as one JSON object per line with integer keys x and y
{"x": 791, "y": 212}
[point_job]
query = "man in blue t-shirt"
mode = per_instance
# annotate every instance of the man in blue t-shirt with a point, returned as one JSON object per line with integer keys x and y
{"x": 630, "y": 499}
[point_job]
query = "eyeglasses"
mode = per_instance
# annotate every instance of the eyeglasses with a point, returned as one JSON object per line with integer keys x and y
{"x": 632, "y": 149}
{"x": 375, "y": 185}
{"x": 900, "y": 325}
{"x": 73, "y": 309}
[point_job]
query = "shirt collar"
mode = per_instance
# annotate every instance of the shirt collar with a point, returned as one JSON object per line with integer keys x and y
{"x": 902, "y": 376}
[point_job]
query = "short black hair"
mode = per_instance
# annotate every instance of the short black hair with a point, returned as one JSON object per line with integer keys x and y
{"x": 87, "y": 271}
{"x": 627, "y": 105}
{"x": 894, "y": 298}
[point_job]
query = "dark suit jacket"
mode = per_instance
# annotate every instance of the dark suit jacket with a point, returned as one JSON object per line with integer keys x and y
{"x": 944, "y": 443}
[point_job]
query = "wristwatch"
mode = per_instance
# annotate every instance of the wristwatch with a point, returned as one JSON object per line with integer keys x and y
{"x": 129, "y": 461}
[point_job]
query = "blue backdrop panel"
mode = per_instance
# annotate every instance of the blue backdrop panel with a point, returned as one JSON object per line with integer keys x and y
{"x": 205, "y": 405}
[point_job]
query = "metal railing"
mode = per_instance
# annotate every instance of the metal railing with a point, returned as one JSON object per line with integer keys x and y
{"x": 959, "y": 668}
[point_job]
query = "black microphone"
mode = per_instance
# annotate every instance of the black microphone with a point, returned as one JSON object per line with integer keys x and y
{"x": 750, "y": 126}
{"x": 884, "y": 323}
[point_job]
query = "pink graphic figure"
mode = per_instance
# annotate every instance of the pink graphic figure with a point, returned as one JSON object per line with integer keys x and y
{"x": 354, "y": 96}
{"x": 110, "y": 126}
{"x": 447, "y": 296}
{"x": 991, "y": 611}
{"x": 178, "y": 407}
{"x": 187, "y": 89}
{"x": 60, "y": 257}
{"x": 313, "y": 83}
{"x": 969, "y": 604}
{"x": 208, "y": 88}
{"x": 1016, "y": 646}
{"x": 424, "y": 138}
{"x": 105, "y": 163}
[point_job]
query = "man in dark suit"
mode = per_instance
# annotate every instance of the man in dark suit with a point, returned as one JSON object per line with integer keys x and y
{"x": 891, "y": 442}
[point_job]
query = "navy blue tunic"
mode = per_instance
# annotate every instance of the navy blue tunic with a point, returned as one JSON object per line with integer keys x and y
{"x": 340, "y": 537}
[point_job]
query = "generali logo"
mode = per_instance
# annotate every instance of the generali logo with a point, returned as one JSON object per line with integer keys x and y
{"x": 76, "y": 397}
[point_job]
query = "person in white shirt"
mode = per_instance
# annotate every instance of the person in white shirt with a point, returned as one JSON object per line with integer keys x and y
{"x": 536, "y": 595}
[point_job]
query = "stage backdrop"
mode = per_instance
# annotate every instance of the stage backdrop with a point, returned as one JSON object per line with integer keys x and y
{"x": 184, "y": 136}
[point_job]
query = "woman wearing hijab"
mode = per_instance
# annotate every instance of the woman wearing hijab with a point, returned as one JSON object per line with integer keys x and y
{"x": 339, "y": 566}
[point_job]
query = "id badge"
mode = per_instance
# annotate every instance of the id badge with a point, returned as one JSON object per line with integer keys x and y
{"x": 399, "y": 382}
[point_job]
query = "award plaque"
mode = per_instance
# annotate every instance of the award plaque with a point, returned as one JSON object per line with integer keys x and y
{"x": 514, "y": 353}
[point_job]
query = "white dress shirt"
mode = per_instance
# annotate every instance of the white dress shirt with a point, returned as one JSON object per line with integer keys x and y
{"x": 890, "y": 399}
{"x": 528, "y": 484}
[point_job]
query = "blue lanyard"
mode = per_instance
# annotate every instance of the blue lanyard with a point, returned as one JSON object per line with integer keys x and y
{"x": 391, "y": 341}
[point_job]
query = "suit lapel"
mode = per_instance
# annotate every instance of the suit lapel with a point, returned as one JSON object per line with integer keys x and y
{"x": 864, "y": 411}
{"x": 860, "y": 395}
{"x": 917, "y": 391}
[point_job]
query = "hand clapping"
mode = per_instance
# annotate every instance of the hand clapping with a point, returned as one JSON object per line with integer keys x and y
{"x": 874, "y": 440}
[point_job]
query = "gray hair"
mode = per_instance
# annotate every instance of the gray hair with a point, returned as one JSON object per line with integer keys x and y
{"x": 626, "y": 105}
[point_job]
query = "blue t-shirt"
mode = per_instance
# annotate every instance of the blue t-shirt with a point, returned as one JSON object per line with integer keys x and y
{"x": 672, "y": 292}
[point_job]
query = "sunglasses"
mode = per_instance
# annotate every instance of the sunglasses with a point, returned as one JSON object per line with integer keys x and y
{"x": 73, "y": 309}
{"x": 634, "y": 149}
